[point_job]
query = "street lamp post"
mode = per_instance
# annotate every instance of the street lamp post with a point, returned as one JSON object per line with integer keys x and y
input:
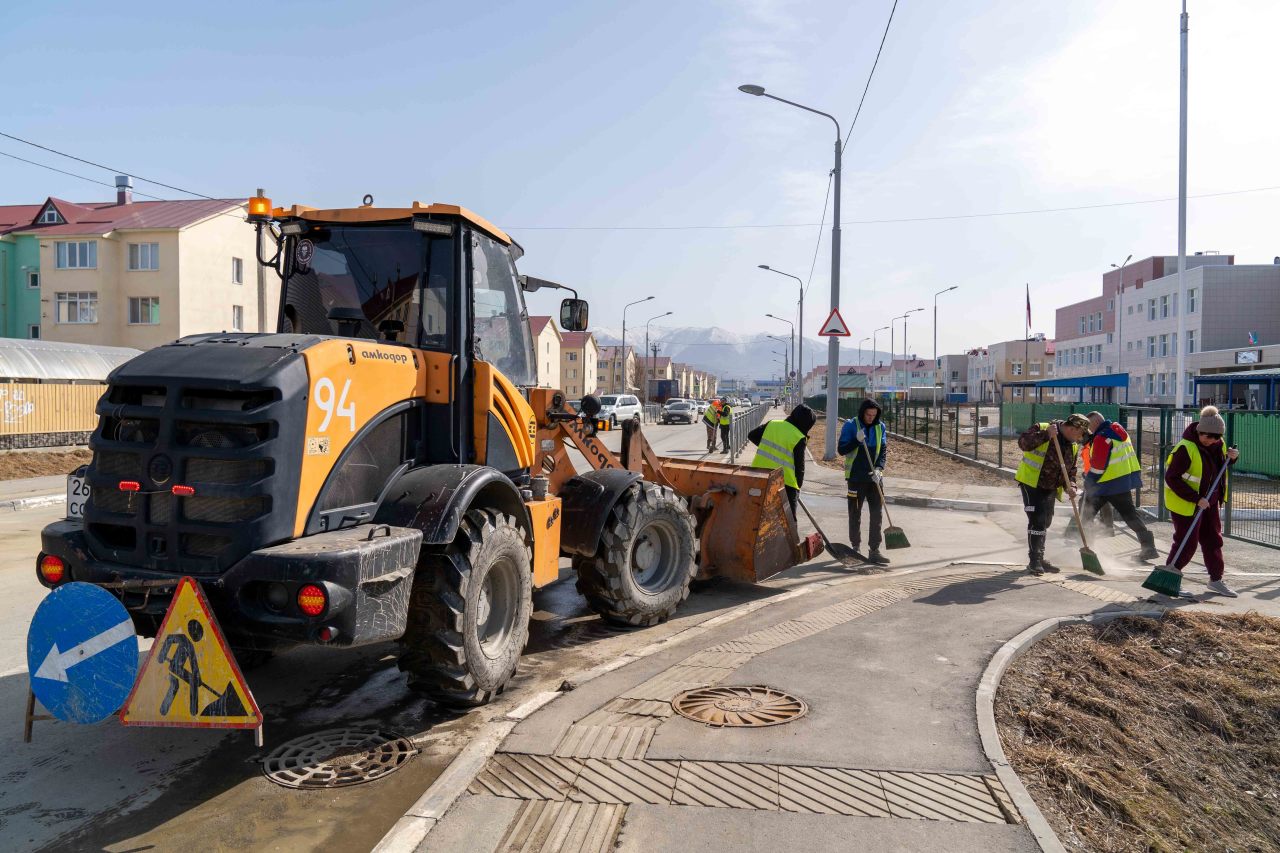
{"x": 935, "y": 340}
{"x": 860, "y": 343}
{"x": 893, "y": 345}
{"x": 646, "y": 351}
{"x": 1120, "y": 321}
{"x": 798, "y": 357}
{"x": 833, "y": 345}
{"x": 871, "y": 377}
{"x": 623, "y": 389}
{"x": 793, "y": 344}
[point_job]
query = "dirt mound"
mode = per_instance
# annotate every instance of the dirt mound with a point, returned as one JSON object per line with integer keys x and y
{"x": 19, "y": 464}
{"x": 1146, "y": 734}
{"x": 910, "y": 461}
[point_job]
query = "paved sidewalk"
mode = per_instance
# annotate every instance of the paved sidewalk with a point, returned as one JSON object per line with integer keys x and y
{"x": 886, "y": 757}
{"x": 32, "y": 491}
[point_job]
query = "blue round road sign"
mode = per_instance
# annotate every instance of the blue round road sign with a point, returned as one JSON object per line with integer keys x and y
{"x": 82, "y": 653}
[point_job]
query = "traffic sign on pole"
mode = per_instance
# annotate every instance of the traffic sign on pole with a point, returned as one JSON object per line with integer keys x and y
{"x": 82, "y": 653}
{"x": 834, "y": 326}
{"x": 190, "y": 679}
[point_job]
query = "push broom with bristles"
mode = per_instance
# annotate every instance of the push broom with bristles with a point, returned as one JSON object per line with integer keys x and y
{"x": 1167, "y": 579}
{"x": 894, "y": 537}
{"x": 1088, "y": 559}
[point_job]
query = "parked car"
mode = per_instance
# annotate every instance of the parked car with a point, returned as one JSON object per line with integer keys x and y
{"x": 679, "y": 412}
{"x": 702, "y": 405}
{"x": 619, "y": 407}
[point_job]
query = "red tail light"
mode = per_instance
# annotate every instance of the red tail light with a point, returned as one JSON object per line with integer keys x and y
{"x": 52, "y": 569}
{"x": 183, "y": 491}
{"x": 130, "y": 486}
{"x": 312, "y": 600}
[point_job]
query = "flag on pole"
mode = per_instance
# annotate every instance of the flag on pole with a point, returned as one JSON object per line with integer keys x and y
{"x": 1028, "y": 307}
{"x": 1253, "y": 338}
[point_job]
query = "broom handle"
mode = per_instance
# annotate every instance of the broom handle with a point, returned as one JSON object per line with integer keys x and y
{"x": 872, "y": 465}
{"x": 1196, "y": 521}
{"x": 1063, "y": 466}
{"x": 814, "y": 522}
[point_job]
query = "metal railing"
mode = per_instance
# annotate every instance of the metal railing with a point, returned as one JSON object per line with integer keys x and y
{"x": 651, "y": 413}
{"x": 743, "y": 423}
{"x": 989, "y": 432}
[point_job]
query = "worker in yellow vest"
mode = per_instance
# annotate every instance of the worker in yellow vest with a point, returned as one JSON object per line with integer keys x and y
{"x": 1043, "y": 481}
{"x": 782, "y": 444}
{"x": 1189, "y": 474}
{"x": 711, "y": 420}
{"x": 1111, "y": 473}
{"x": 726, "y": 421}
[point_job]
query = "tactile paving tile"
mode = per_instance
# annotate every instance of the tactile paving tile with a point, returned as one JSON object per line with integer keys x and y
{"x": 604, "y": 742}
{"x": 666, "y": 685}
{"x": 1093, "y": 590}
{"x": 619, "y": 720}
{"x": 831, "y": 790}
{"x": 727, "y": 785}
{"x": 563, "y": 827}
{"x": 723, "y": 660}
{"x": 649, "y": 707}
{"x": 526, "y": 777}
{"x": 783, "y": 633}
{"x": 741, "y": 646}
{"x": 940, "y": 796}
{"x": 1002, "y": 797}
{"x": 623, "y": 781}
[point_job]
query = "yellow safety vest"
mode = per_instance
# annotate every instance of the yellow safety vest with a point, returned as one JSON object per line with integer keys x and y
{"x": 1121, "y": 461}
{"x": 1032, "y": 462}
{"x": 848, "y": 460}
{"x": 710, "y": 415}
{"x": 777, "y": 450}
{"x": 726, "y": 416}
{"x": 1192, "y": 478}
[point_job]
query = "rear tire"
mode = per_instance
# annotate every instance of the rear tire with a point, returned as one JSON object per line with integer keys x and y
{"x": 469, "y": 612}
{"x": 645, "y": 560}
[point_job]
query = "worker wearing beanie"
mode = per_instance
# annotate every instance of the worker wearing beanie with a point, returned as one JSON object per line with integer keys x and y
{"x": 1190, "y": 472}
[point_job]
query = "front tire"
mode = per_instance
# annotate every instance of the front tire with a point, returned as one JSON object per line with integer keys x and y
{"x": 469, "y": 612}
{"x": 645, "y": 560}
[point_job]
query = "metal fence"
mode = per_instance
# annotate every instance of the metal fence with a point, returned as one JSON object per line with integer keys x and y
{"x": 651, "y": 413}
{"x": 744, "y": 421}
{"x": 989, "y": 433}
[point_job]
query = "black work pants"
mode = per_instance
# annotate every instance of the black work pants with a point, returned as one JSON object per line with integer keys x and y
{"x": 724, "y": 436}
{"x": 859, "y": 495}
{"x": 1122, "y": 503}
{"x": 1038, "y": 505}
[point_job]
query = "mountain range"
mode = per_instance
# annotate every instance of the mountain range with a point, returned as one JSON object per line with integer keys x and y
{"x": 727, "y": 354}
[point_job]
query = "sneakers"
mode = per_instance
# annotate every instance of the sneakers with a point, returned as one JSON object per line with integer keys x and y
{"x": 876, "y": 557}
{"x": 1221, "y": 588}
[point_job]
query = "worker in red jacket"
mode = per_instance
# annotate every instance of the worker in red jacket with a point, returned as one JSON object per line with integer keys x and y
{"x": 1112, "y": 471}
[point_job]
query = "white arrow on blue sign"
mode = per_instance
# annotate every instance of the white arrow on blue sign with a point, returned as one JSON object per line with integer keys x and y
{"x": 82, "y": 653}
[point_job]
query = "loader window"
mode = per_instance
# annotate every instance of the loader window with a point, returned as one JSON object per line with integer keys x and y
{"x": 501, "y": 322}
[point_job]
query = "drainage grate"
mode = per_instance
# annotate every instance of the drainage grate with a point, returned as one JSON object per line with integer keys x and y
{"x": 337, "y": 758}
{"x": 756, "y": 705}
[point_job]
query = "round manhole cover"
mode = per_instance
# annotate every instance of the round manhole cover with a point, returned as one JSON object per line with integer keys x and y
{"x": 756, "y": 705}
{"x": 336, "y": 758}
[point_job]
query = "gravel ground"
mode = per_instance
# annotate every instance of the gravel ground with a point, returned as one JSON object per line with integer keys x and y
{"x": 913, "y": 462}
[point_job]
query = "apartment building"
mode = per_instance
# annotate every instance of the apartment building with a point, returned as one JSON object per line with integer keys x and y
{"x": 579, "y": 364}
{"x": 1023, "y": 360}
{"x": 547, "y": 340}
{"x": 953, "y": 376}
{"x": 135, "y": 274}
{"x": 617, "y": 370}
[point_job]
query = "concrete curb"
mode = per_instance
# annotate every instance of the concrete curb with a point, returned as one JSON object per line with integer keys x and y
{"x": 413, "y": 827}
{"x": 986, "y": 708}
{"x": 18, "y": 504}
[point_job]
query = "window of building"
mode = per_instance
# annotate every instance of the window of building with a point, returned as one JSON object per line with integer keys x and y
{"x": 1151, "y": 346}
{"x": 1164, "y": 384}
{"x": 144, "y": 256}
{"x": 1017, "y": 368}
{"x": 1191, "y": 386}
{"x": 77, "y": 307}
{"x": 1164, "y": 345}
{"x": 237, "y": 271}
{"x": 1128, "y": 346}
{"x": 1129, "y": 310}
{"x": 1191, "y": 300}
{"x": 144, "y": 310}
{"x": 1191, "y": 341}
{"x": 1088, "y": 355}
{"x": 1164, "y": 306}
{"x": 1151, "y": 384}
{"x": 1035, "y": 368}
{"x": 573, "y": 374}
{"x": 33, "y": 331}
{"x": 1151, "y": 309}
{"x": 1111, "y": 305}
{"x": 573, "y": 356}
{"x": 1082, "y": 326}
{"x": 33, "y": 280}
{"x": 50, "y": 216}
{"x": 77, "y": 254}
{"x": 237, "y": 318}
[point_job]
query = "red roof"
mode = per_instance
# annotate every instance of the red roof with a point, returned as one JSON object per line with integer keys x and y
{"x": 538, "y": 322}
{"x": 17, "y": 216}
{"x": 102, "y": 217}
{"x": 659, "y": 362}
{"x": 613, "y": 352}
{"x": 576, "y": 340}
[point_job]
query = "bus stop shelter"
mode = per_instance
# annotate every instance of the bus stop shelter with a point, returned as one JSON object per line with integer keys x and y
{"x": 1079, "y": 383}
{"x": 1243, "y": 379}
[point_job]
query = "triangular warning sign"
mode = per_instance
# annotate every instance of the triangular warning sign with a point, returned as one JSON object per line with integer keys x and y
{"x": 190, "y": 678}
{"x": 835, "y": 326}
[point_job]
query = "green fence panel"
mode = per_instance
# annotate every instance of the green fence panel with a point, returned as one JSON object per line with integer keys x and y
{"x": 1257, "y": 434}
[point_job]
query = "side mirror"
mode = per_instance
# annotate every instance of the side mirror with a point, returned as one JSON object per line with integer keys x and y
{"x": 573, "y": 315}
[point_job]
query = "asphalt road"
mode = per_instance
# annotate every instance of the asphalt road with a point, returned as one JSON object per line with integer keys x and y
{"x": 106, "y": 787}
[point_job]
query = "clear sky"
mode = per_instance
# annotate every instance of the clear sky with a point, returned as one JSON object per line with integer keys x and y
{"x": 551, "y": 117}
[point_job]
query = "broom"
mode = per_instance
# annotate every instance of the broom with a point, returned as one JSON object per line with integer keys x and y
{"x": 894, "y": 537}
{"x": 1088, "y": 559}
{"x": 1167, "y": 579}
{"x": 840, "y": 551}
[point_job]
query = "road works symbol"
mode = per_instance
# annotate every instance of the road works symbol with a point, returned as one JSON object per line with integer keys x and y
{"x": 82, "y": 653}
{"x": 835, "y": 326}
{"x": 190, "y": 678}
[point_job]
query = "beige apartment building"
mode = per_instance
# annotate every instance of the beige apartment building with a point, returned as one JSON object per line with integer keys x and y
{"x": 617, "y": 371}
{"x": 141, "y": 274}
{"x": 547, "y": 341}
{"x": 991, "y": 367}
{"x": 579, "y": 364}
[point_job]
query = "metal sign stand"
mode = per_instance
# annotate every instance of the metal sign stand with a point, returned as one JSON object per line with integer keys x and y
{"x": 31, "y": 716}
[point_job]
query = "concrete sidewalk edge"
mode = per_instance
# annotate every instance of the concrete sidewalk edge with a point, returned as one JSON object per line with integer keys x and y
{"x": 33, "y": 502}
{"x": 986, "y": 709}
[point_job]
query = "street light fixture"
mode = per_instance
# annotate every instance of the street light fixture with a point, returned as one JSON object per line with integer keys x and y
{"x": 935, "y": 339}
{"x": 1120, "y": 318}
{"x": 860, "y": 343}
{"x": 833, "y": 343}
{"x": 623, "y": 389}
{"x": 648, "y": 359}
{"x": 797, "y": 357}
{"x": 793, "y": 343}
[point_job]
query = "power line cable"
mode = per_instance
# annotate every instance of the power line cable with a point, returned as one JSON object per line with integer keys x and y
{"x": 849, "y": 134}
{"x": 821, "y": 230}
{"x": 71, "y": 174}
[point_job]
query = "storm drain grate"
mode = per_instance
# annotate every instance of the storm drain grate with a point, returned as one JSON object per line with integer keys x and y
{"x": 337, "y": 758}
{"x": 751, "y": 706}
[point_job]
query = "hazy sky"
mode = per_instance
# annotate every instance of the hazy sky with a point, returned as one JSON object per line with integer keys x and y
{"x": 592, "y": 115}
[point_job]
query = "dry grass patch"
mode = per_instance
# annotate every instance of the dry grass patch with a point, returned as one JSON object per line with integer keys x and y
{"x": 1146, "y": 734}
{"x": 19, "y": 464}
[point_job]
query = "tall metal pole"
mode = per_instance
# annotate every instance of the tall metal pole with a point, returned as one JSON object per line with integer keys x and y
{"x": 860, "y": 343}
{"x": 623, "y": 389}
{"x": 1180, "y": 397}
{"x": 797, "y": 359}
{"x": 646, "y": 354}
{"x": 936, "y": 366}
{"x": 1120, "y": 322}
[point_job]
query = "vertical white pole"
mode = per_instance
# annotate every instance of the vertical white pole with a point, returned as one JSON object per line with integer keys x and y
{"x": 1181, "y": 344}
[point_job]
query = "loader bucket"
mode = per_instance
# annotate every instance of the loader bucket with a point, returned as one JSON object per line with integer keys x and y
{"x": 745, "y": 525}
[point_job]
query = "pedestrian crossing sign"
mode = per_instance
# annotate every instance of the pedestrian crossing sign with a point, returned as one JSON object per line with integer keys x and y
{"x": 835, "y": 326}
{"x": 190, "y": 679}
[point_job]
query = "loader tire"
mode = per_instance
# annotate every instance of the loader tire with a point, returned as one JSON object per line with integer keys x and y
{"x": 469, "y": 612}
{"x": 645, "y": 560}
